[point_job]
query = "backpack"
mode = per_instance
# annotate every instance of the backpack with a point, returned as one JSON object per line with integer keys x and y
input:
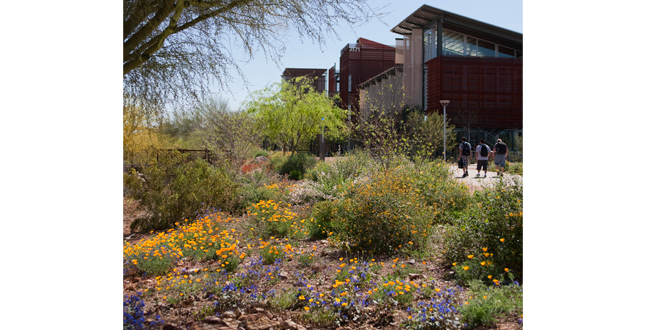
{"x": 465, "y": 149}
{"x": 483, "y": 151}
{"x": 500, "y": 148}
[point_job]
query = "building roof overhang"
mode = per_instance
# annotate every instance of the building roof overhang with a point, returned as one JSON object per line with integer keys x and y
{"x": 425, "y": 15}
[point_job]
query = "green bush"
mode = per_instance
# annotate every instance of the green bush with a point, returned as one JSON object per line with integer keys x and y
{"x": 383, "y": 214}
{"x": 485, "y": 305}
{"x": 261, "y": 153}
{"x": 491, "y": 225}
{"x": 446, "y": 197}
{"x": 175, "y": 189}
{"x": 321, "y": 217}
{"x": 256, "y": 186}
{"x": 297, "y": 162}
{"x": 295, "y": 175}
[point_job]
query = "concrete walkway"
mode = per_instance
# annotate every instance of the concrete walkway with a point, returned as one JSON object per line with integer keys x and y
{"x": 478, "y": 183}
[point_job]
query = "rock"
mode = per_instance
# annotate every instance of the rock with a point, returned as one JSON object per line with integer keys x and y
{"x": 213, "y": 320}
{"x": 290, "y": 325}
{"x": 261, "y": 159}
{"x": 238, "y": 313}
{"x": 250, "y": 317}
{"x": 411, "y": 262}
{"x": 259, "y": 310}
{"x": 413, "y": 277}
{"x": 228, "y": 315}
{"x": 283, "y": 275}
{"x": 170, "y": 327}
{"x": 262, "y": 323}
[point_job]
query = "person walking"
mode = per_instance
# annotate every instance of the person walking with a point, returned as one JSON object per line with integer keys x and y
{"x": 464, "y": 155}
{"x": 500, "y": 152}
{"x": 482, "y": 152}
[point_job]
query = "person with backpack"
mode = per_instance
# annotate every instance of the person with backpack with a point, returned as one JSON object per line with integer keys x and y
{"x": 500, "y": 152}
{"x": 482, "y": 151}
{"x": 464, "y": 155}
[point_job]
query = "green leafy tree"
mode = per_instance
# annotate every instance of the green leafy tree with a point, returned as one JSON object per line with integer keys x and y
{"x": 292, "y": 112}
{"x": 176, "y": 48}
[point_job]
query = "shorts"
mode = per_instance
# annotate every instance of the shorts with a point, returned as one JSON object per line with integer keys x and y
{"x": 482, "y": 163}
{"x": 466, "y": 160}
{"x": 500, "y": 160}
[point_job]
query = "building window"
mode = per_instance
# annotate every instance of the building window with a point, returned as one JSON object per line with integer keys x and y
{"x": 505, "y": 51}
{"x": 485, "y": 48}
{"x": 458, "y": 44}
{"x": 471, "y": 46}
{"x": 429, "y": 44}
{"x": 453, "y": 43}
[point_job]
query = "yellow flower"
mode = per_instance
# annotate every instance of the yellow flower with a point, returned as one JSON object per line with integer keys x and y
{"x": 465, "y": 267}
{"x": 501, "y": 240}
{"x": 485, "y": 297}
{"x": 470, "y": 256}
{"x": 505, "y": 269}
{"x": 306, "y": 308}
{"x": 454, "y": 264}
{"x": 485, "y": 249}
{"x": 490, "y": 276}
{"x": 437, "y": 289}
{"x": 483, "y": 263}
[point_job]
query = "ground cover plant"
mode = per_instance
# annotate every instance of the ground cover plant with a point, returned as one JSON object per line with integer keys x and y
{"x": 304, "y": 258}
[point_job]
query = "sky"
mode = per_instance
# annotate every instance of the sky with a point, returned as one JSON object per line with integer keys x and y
{"x": 261, "y": 71}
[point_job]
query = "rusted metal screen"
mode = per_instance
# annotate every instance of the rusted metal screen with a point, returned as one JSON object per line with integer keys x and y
{"x": 486, "y": 92}
{"x": 358, "y": 63}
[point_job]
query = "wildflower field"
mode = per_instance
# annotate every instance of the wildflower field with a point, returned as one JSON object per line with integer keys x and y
{"x": 352, "y": 245}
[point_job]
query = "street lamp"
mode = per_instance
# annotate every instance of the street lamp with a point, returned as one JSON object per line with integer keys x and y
{"x": 322, "y": 141}
{"x": 444, "y": 103}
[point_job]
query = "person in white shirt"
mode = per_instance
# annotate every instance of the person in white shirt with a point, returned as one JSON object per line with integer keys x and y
{"x": 483, "y": 153}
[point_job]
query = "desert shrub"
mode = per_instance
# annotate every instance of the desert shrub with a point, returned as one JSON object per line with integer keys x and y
{"x": 439, "y": 192}
{"x": 307, "y": 191}
{"x": 274, "y": 219}
{"x": 333, "y": 179}
{"x": 321, "y": 217}
{"x": 261, "y": 153}
{"x": 175, "y": 189}
{"x": 383, "y": 214}
{"x": 295, "y": 175}
{"x": 300, "y": 162}
{"x": 259, "y": 185}
{"x": 485, "y": 305}
{"x": 491, "y": 225}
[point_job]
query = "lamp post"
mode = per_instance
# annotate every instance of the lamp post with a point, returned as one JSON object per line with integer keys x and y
{"x": 322, "y": 141}
{"x": 444, "y": 103}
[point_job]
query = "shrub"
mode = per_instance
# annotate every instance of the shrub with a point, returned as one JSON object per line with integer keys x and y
{"x": 271, "y": 219}
{"x": 319, "y": 225}
{"x": 175, "y": 189}
{"x": 259, "y": 185}
{"x": 485, "y": 305}
{"x": 261, "y": 153}
{"x": 383, "y": 214}
{"x": 295, "y": 175}
{"x": 492, "y": 224}
{"x": 300, "y": 162}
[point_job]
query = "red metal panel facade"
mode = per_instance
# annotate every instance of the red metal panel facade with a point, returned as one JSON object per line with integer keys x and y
{"x": 485, "y": 91}
{"x": 358, "y": 63}
{"x": 331, "y": 89}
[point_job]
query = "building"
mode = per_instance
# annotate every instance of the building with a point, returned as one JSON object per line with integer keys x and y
{"x": 359, "y": 62}
{"x": 475, "y": 65}
{"x": 318, "y": 76}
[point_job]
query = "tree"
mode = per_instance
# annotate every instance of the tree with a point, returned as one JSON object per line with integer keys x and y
{"x": 140, "y": 134}
{"x": 292, "y": 112}
{"x": 174, "y": 48}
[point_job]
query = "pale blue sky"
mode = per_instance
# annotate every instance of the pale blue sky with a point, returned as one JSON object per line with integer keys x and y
{"x": 261, "y": 71}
